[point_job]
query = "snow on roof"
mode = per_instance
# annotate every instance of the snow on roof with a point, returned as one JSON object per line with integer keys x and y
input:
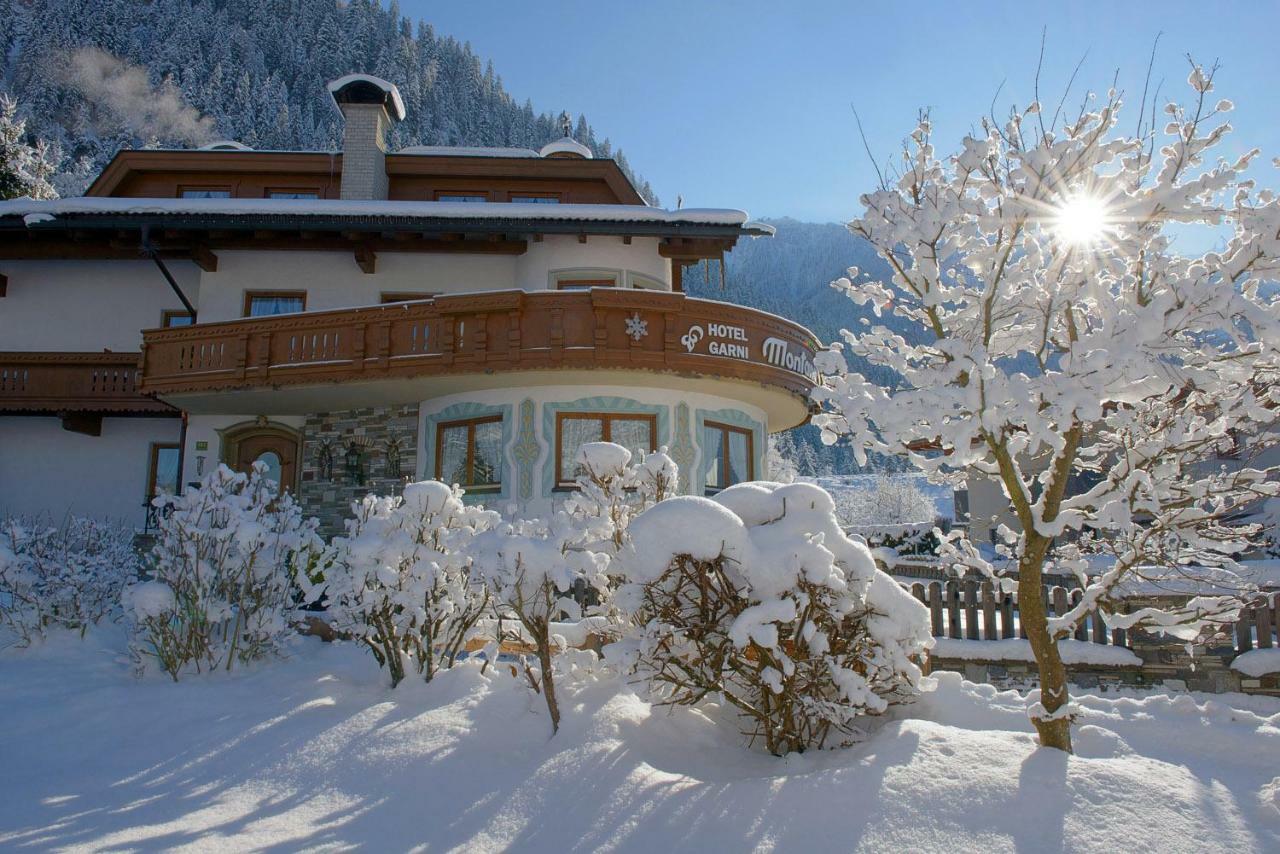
{"x": 566, "y": 145}
{"x": 225, "y": 145}
{"x": 379, "y": 208}
{"x": 334, "y": 86}
{"x": 466, "y": 151}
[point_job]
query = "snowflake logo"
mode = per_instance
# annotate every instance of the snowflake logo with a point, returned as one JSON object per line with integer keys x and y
{"x": 636, "y": 327}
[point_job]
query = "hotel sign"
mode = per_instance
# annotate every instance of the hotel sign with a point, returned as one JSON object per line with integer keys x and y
{"x": 734, "y": 342}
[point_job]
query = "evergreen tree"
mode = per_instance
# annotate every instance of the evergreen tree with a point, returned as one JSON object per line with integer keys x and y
{"x": 25, "y": 169}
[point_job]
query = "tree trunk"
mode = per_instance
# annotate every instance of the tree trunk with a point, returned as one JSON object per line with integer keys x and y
{"x": 1053, "y": 674}
{"x": 548, "y": 680}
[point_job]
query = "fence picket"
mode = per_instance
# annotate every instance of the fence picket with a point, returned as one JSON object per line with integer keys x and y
{"x": 953, "y": 609}
{"x": 1007, "y": 629}
{"x": 1244, "y": 638}
{"x": 971, "y": 609}
{"x": 1099, "y": 627}
{"x": 935, "y": 608}
{"x": 1262, "y": 619}
{"x": 988, "y": 610}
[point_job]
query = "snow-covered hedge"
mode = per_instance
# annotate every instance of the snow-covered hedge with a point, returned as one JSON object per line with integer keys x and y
{"x": 68, "y": 576}
{"x": 401, "y": 580}
{"x": 221, "y": 587}
{"x": 759, "y": 599}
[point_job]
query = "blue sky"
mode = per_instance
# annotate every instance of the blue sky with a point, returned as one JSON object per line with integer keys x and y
{"x": 748, "y": 104}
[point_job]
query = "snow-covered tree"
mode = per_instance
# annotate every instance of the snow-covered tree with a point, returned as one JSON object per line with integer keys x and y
{"x": 531, "y": 566}
{"x": 221, "y": 588}
{"x": 611, "y": 490}
{"x": 885, "y": 501}
{"x": 757, "y": 599}
{"x": 1072, "y": 353}
{"x": 401, "y": 580}
{"x": 25, "y": 168}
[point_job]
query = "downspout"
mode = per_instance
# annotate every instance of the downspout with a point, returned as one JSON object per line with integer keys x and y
{"x": 151, "y": 253}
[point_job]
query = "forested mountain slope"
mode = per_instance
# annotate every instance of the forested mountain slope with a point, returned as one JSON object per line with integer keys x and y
{"x": 97, "y": 75}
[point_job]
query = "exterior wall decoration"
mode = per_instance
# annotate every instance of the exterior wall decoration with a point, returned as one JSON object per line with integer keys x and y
{"x": 682, "y": 448}
{"x": 459, "y": 412}
{"x": 734, "y": 418}
{"x": 526, "y": 450}
{"x": 328, "y": 486}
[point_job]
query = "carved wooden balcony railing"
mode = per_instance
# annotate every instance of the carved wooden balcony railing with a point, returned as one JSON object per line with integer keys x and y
{"x": 484, "y": 333}
{"x": 56, "y": 383}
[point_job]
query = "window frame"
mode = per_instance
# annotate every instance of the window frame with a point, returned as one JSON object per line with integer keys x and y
{"x": 393, "y": 297}
{"x": 533, "y": 194}
{"x": 268, "y": 192}
{"x": 183, "y": 188}
{"x": 153, "y": 466}
{"x": 606, "y": 418}
{"x": 170, "y": 313}
{"x": 485, "y": 195}
{"x": 725, "y": 429}
{"x": 251, "y": 295}
{"x": 470, "y": 424}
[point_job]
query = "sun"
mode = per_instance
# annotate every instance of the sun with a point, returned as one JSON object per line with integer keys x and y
{"x": 1081, "y": 220}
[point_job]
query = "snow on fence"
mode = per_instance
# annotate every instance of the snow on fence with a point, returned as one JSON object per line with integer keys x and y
{"x": 967, "y": 609}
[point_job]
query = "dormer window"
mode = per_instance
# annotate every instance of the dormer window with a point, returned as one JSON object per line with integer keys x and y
{"x": 289, "y": 193}
{"x": 528, "y": 199}
{"x": 462, "y": 197}
{"x": 580, "y": 280}
{"x": 204, "y": 192}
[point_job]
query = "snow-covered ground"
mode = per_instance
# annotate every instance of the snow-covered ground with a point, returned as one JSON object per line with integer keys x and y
{"x": 315, "y": 752}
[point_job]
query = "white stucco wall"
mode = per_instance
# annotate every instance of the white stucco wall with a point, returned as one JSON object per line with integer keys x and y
{"x": 205, "y": 429}
{"x": 561, "y": 252}
{"x": 553, "y": 395}
{"x": 333, "y": 280}
{"x": 87, "y": 305}
{"x": 47, "y": 470}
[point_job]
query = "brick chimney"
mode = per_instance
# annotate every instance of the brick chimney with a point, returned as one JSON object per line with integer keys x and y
{"x": 369, "y": 105}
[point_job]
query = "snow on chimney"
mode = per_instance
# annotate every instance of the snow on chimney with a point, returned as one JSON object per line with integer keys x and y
{"x": 369, "y": 105}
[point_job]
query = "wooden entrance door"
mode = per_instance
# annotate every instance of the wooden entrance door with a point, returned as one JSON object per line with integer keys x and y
{"x": 279, "y": 453}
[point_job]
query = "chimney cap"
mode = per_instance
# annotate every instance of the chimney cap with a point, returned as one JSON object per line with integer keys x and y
{"x": 367, "y": 89}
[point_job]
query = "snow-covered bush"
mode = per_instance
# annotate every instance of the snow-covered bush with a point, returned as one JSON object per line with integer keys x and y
{"x": 68, "y": 576}
{"x": 759, "y": 599}
{"x": 530, "y": 567}
{"x": 401, "y": 580}
{"x": 221, "y": 586}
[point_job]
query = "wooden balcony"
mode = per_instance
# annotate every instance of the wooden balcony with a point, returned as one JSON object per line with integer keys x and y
{"x": 488, "y": 333}
{"x": 68, "y": 384}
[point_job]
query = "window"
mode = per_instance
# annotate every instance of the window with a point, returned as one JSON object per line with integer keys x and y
{"x": 175, "y": 317}
{"x": 404, "y": 296}
{"x": 529, "y": 199}
{"x": 267, "y": 303}
{"x": 462, "y": 197}
{"x": 730, "y": 455}
{"x": 636, "y": 433}
{"x": 292, "y": 193}
{"x": 570, "y": 280}
{"x": 162, "y": 470}
{"x": 469, "y": 453}
{"x": 204, "y": 192}
{"x": 647, "y": 284}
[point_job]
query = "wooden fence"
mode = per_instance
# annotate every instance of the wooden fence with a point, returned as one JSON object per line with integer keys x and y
{"x": 969, "y": 609}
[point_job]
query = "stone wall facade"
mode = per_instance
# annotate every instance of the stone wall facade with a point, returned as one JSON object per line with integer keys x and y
{"x": 351, "y": 453}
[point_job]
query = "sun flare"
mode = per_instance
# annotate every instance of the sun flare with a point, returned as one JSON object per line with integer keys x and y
{"x": 1081, "y": 220}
